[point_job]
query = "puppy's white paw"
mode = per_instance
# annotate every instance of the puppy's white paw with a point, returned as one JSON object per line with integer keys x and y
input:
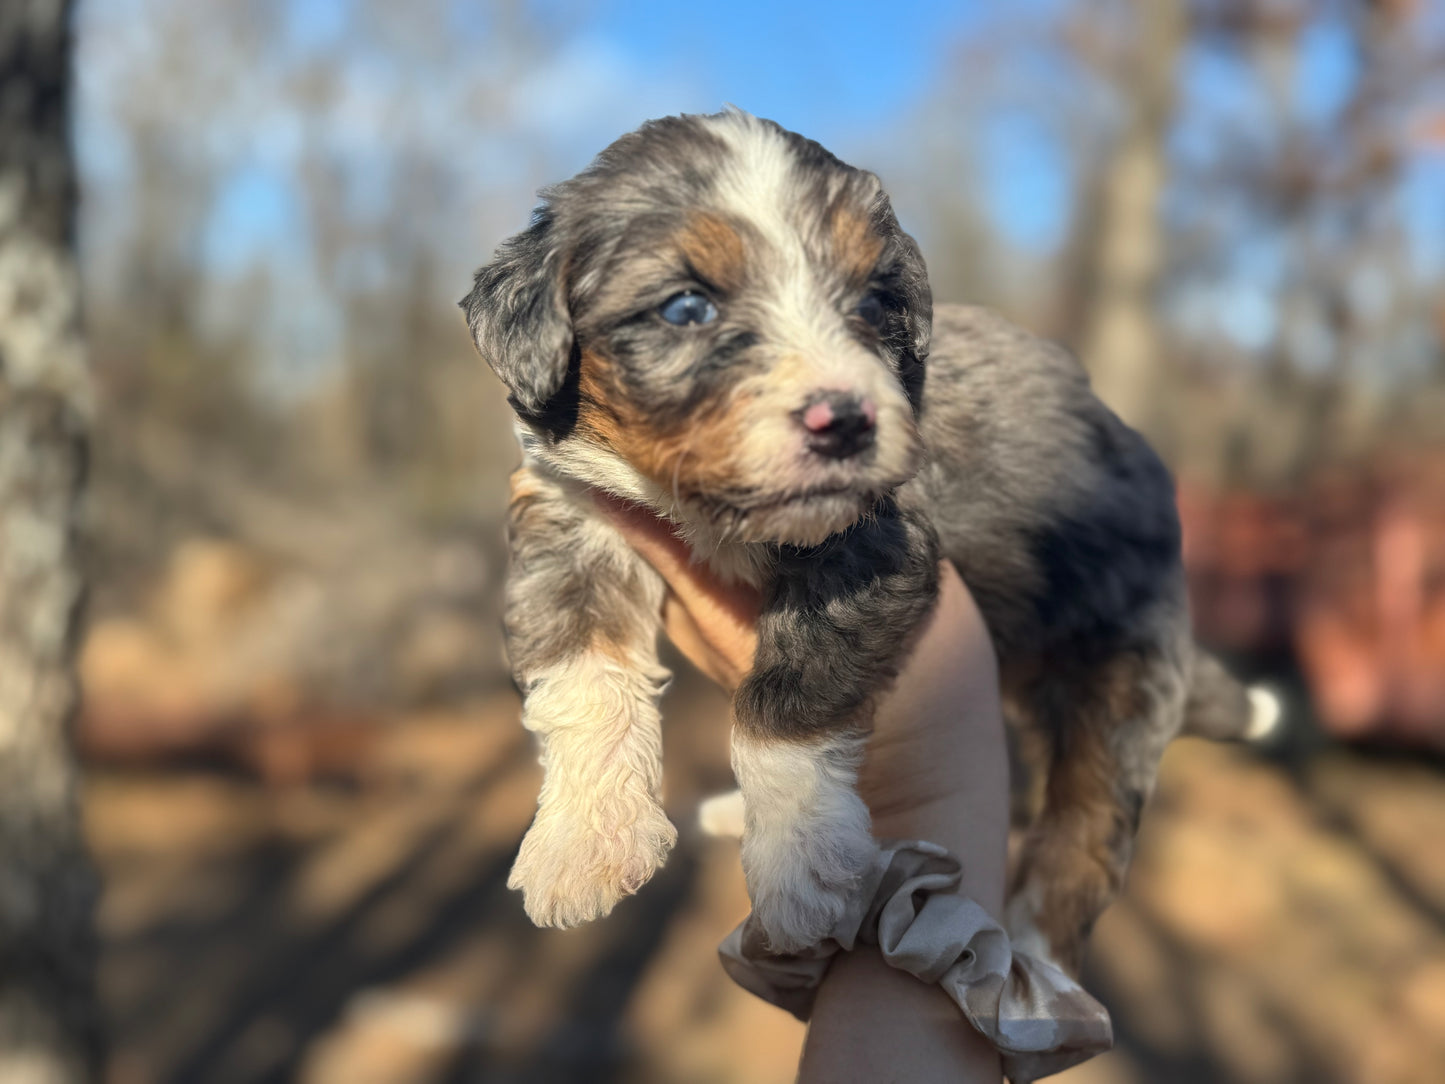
{"x": 802, "y": 882}
{"x": 572, "y": 870}
{"x": 722, "y": 815}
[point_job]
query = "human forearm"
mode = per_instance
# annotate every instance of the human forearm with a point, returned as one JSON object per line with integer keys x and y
{"x": 936, "y": 770}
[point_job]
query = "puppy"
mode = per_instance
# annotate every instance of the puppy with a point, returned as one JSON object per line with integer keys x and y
{"x": 720, "y": 320}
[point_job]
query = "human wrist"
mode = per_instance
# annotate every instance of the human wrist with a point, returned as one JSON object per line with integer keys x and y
{"x": 942, "y": 820}
{"x": 936, "y": 767}
{"x": 862, "y": 998}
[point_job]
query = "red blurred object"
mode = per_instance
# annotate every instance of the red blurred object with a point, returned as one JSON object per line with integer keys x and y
{"x": 1348, "y": 576}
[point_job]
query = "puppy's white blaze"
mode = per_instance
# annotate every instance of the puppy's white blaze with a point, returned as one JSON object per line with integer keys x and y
{"x": 756, "y": 185}
{"x": 806, "y": 840}
{"x": 804, "y": 325}
{"x": 758, "y": 179}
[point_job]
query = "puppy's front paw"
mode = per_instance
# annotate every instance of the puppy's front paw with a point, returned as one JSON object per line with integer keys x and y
{"x": 803, "y": 882}
{"x": 573, "y": 868}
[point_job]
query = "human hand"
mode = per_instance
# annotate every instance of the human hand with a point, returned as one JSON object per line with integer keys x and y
{"x": 935, "y": 763}
{"x": 713, "y": 623}
{"x": 936, "y": 768}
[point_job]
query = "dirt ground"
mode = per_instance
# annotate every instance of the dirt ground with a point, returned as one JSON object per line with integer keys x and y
{"x": 1285, "y": 921}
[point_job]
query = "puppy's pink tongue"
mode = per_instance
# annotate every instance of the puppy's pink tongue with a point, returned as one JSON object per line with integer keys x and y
{"x": 818, "y": 417}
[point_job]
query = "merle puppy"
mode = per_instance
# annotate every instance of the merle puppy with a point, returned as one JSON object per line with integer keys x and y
{"x": 720, "y": 320}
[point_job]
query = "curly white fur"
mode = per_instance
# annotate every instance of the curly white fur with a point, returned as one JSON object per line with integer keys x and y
{"x": 806, "y": 838}
{"x": 600, "y": 832}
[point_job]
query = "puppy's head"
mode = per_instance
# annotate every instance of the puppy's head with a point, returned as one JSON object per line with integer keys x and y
{"x": 720, "y": 317}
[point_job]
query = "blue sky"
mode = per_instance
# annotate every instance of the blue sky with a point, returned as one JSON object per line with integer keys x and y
{"x": 845, "y": 73}
{"x": 865, "y": 79}
{"x": 818, "y": 68}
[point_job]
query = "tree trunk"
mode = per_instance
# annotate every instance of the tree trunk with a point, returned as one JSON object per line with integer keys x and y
{"x": 1120, "y": 345}
{"x": 49, "y": 1023}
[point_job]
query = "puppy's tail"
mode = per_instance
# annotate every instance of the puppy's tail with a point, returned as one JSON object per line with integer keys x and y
{"x": 1222, "y": 708}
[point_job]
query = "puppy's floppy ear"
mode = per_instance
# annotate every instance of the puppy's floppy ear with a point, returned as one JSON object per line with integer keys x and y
{"x": 909, "y": 274}
{"x": 910, "y": 277}
{"x": 517, "y": 311}
{"x": 914, "y": 278}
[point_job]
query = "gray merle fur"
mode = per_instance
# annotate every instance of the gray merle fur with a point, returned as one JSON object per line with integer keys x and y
{"x": 834, "y": 622}
{"x": 1060, "y": 518}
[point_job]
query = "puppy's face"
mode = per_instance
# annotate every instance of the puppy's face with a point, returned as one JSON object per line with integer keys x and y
{"x": 726, "y": 311}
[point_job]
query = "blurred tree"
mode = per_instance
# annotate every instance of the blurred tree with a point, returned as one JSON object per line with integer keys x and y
{"x": 1120, "y": 345}
{"x": 1286, "y": 220}
{"x": 49, "y": 1027}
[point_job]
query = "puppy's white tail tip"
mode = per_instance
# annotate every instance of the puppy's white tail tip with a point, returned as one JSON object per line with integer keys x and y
{"x": 722, "y": 815}
{"x": 1266, "y": 713}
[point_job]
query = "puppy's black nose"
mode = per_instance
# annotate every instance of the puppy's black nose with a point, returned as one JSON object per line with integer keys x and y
{"x": 838, "y": 424}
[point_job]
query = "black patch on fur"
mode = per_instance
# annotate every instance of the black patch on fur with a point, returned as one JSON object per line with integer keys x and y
{"x": 1097, "y": 579}
{"x": 517, "y": 312}
{"x": 1104, "y": 563}
{"x": 558, "y": 415}
{"x": 835, "y": 623}
{"x": 908, "y": 298}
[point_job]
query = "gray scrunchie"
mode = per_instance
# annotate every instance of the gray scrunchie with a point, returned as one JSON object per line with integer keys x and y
{"x": 1040, "y": 1020}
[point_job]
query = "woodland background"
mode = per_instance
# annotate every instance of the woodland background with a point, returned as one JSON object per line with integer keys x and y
{"x": 304, "y": 779}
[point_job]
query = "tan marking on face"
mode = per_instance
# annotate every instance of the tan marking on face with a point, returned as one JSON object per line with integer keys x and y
{"x": 856, "y": 246}
{"x": 693, "y": 457}
{"x": 714, "y": 249}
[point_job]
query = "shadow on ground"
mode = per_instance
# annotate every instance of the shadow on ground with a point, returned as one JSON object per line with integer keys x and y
{"x": 1283, "y": 923}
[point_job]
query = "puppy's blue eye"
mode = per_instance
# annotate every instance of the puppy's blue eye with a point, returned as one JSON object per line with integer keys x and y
{"x": 688, "y": 308}
{"x": 870, "y": 310}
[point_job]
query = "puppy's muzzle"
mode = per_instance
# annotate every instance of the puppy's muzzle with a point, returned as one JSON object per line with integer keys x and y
{"x": 838, "y": 425}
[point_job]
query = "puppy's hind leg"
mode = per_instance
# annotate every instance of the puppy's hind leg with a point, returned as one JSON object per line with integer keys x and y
{"x": 1109, "y": 722}
{"x": 582, "y": 617}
